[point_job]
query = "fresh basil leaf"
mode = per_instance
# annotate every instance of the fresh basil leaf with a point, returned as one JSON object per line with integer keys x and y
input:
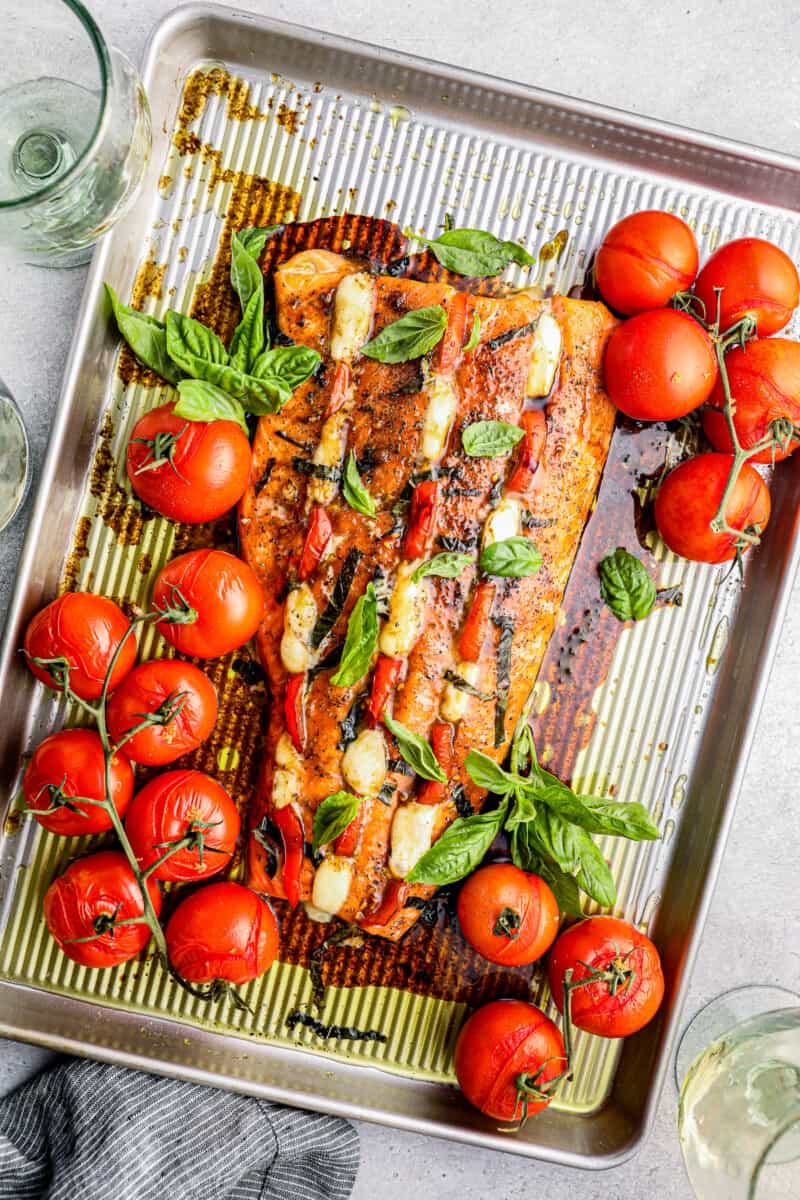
{"x": 249, "y": 338}
{"x": 254, "y": 238}
{"x": 288, "y": 365}
{"x": 360, "y": 640}
{"x": 445, "y": 565}
{"x": 261, "y": 395}
{"x": 201, "y": 401}
{"x": 412, "y": 336}
{"x": 333, "y": 816}
{"x": 626, "y": 586}
{"x": 416, "y": 751}
{"x": 246, "y": 276}
{"x": 597, "y": 815}
{"x": 196, "y": 349}
{"x": 512, "y": 558}
{"x": 490, "y": 439}
{"x": 146, "y": 336}
{"x": 523, "y": 808}
{"x": 475, "y": 335}
{"x": 475, "y": 252}
{"x": 563, "y": 886}
{"x": 486, "y": 773}
{"x": 353, "y": 489}
{"x": 573, "y": 850}
{"x": 459, "y": 850}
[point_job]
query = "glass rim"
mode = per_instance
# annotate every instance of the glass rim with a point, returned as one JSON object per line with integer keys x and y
{"x": 104, "y": 62}
{"x": 792, "y": 1121}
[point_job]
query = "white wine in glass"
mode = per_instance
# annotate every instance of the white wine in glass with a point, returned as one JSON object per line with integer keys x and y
{"x": 739, "y": 1107}
{"x": 74, "y": 131}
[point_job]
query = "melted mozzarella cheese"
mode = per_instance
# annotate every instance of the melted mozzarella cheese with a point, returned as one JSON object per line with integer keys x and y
{"x": 352, "y": 315}
{"x": 316, "y": 914}
{"x": 286, "y": 777}
{"x": 412, "y": 830}
{"x": 503, "y": 522}
{"x": 364, "y": 763}
{"x": 331, "y": 884}
{"x": 455, "y": 699}
{"x": 328, "y": 453}
{"x": 439, "y": 415}
{"x": 299, "y": 619}
{"x": 545, "y": 356}
{"x": 406, "y": 613}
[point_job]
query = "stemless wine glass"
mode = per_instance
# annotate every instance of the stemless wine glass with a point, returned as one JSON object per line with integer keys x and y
{"x": 739, "y": 1106}
{"x": 74, "y": 131}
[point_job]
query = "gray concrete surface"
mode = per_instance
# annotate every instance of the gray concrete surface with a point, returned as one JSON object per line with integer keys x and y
{"x": 721, "y": 65}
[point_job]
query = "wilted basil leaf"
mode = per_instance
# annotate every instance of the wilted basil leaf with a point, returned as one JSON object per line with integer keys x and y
{"x": 333, "y": 816}
{"x": 475, "y": 252}
{"x": 201, "y": 401}
{"x": 459, "y": 850}
{"x": 512, "y": 558}
{"x": 360, "y": 641}
{"x": 412, "y": 336}
{"x": 490, "y": 439}
{"x": 626, "y": 586}
{"x": 353, "y": 489}
{"x": 415, "y": 750}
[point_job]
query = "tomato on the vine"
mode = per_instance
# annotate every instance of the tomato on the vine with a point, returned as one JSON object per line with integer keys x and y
{"x": 175, "y": 805}
{"x": 506, "y": 1055}
{"x": 644, "y": 260}
{"x": 659, "y": 365}
{"x": 86, "y": 630}
{"x": 88, "y": 901}
{"x": 192, "y": 471}
{"x": 625, "y": 982}
{"x": 507, "y": 915}
{"x": 688, "y": 501}
{"x": 222, "y": 931}
{"x": 225, "y": 594}
{"x": 764, "y": 380}
{"x": 71, "y": 763}
{"x": 757, "y": 280}
{"x": 166, "y": 686}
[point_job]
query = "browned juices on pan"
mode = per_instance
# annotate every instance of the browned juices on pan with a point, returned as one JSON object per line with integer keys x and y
{"x": 404, "y": 424}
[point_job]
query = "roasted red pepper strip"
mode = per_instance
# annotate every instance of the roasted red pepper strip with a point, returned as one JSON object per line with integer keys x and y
{"x": 347, "y": 841}
{"x": 420, "y": 521}
{"x": 431, "y": 791}
{"x": 339, "y": 389}
{"x": 473, "y": 635}
{"x": 387, "y": 672}
{"x": 293, "y": 840}
{"x": 448, "y": 353}
{"x": 293, "y": 711}
{"x": 320, "y": 531}
{"x": 394, "y": 898}
{"x": 530, "y": 451}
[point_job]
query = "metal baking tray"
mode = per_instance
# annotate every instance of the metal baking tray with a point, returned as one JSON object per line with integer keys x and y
{"x": 304, "y": 124}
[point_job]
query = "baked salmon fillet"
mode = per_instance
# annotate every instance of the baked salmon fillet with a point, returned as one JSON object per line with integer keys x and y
{"x": 456, "y": 658}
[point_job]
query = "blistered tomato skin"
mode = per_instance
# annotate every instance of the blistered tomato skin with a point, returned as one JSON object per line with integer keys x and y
{"x": 154, "y": 684}
{"x": 72, "y": 762}
{"x": 659, "y": 365}
{"x": 86, "y": 630}
{"x": 644, "y": 260}
{"x": 226, "y": 597}
{"x": 519, "y": 905}
{"x": 688, "y": 500}
{"x": 170, "y": 806}
{"x": 98, "y": 885}
{"x": 764, "y": 378}
{"x": 222, "y": 931}
{"x": 757, "y": 280}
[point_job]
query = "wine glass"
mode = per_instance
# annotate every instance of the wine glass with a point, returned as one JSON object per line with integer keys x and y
{"x": 14, "y": 457}
{"x": 738, "y": 1070}
{"x": 74, "y": 131}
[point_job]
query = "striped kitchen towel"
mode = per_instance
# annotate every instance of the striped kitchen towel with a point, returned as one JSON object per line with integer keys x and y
{"x": 88, "y": 1131}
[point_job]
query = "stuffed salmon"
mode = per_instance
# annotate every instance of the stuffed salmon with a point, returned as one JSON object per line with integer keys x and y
{"x": 413, "y": 519}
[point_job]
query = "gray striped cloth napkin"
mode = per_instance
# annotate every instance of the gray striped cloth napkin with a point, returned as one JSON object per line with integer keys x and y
{"x": 88, "y": 1131}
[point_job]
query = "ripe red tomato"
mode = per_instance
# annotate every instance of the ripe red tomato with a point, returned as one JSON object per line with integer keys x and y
{"x": 71, "y": 763}
{"x": 81, "y": 901}
{"x": 602, "y": 1007}
{"x": 507, "y": 915}
{"x": 225, "y": 594}
{"x": 150, "y": 686}
{"x": 203, "y": 467}
{"x": 659, "y": 365}
{"x": 765, "y": 383}
{"x": 503, "y": 1048}
{"x": 644, "y": 260}
{"x": 758, "y": 279}
{"x": 222, "y": 931}
{"x": 689, "y": 497}
{"x": 168, "y": 808}
{"x": 85, "y": 630}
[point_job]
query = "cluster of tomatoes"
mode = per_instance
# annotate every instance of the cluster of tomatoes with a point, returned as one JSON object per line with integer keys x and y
{"x": 182, "y": 825}
{"x": 666, "y": 362}
{"x": 510, "y": 1056}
